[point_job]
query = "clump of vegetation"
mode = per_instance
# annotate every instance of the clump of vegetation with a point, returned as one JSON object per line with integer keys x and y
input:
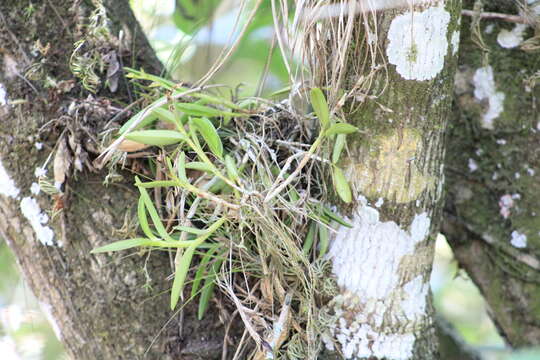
{"x": 239, "y": 198}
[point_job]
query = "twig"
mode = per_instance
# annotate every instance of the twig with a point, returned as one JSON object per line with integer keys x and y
{"x": 492, "y": 15}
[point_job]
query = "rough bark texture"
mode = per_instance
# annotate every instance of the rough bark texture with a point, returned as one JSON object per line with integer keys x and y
{"x": 397, "y": 165}
{"x": 103, "y": 306}
{"x": 492, "y": 213}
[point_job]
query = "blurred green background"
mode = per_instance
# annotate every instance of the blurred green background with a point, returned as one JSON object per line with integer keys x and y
{"x": 189, "y": 48}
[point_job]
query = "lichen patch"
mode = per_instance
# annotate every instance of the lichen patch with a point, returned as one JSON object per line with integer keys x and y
{"x": 417, "y": 43}
{"x": 486, "y": 90}
{"x": 380, "y": 306}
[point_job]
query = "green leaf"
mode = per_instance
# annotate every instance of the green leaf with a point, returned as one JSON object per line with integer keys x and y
{"x": 143, "y": 220}
{"x": 181, "y": 270}
{"x": 198, "y": 110}
{"x": 340, "y": 128}
{"x": 201, "y": 166}
{"x": 182, "y": 167}
{"x": 310, "y": 237}
{"x": 190, "y": 230}
{"x": 320, "y": 106}
{"x": 324, "y": 240}
{"x": 156, "y": 137}
{"x": 336, "y": 218}
{"x": 148, "y": 118}
{"x": 166, "y": 115}
{"x": 201, "y": 269}
{"x": 208, "y": 289}
{"x": 342, "y": 185}
{"x": 232, "y": 171}
{"x": 123, "y": 245}
{"x": 338, "y": 148}
{"x": 152, "y": 211}
{"x": 210, "y": 135}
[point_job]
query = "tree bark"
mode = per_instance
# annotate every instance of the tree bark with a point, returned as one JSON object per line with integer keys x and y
{"x": 100, "y": 305}
{"x": 493, "y": 172}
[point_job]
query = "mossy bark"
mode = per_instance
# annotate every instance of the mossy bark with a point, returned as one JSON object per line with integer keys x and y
{"x": 104, "y": 306}
{"x": 492, "y": 216}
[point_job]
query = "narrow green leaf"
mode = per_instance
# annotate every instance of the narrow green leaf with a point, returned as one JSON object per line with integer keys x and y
{"x": 123, "y": 245}
{"x": 152, "y": 211}
{"x": 324, "y": 240}
{"x": 201, "y": 269}
{"x": 338, "y": 147}
{"x": 201, "y": 166}
{"x": 336, "y": 218}
{"x": 182, "y": 266}
{"x": 340, "y": 128}
{"x": 232, "y": 171}
{"x": 208, "y": 289}
{"x": 199, "y": 110}
{"x": 143, "y": 220}
{"x": 310, "y": 237}
{"x": 158, "y": 183}
{"x": 181, "y": 270}
{"x": 190, "y": 230}
{"x": 156, "y": 137}
{"x": 320, "y": 106}
{"x": 141, "y": 75}
{"x": 342, "y": 185}
{"x": 182, "y": 167}
{"x": 210, "y": 135}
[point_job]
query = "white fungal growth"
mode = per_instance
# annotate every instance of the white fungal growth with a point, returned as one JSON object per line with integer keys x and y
{"x": 35, "y": 189}
{"x": 455, "y": 42}
{"x": 32, "y": 212}
{"x": 366, "y": 261}
{"x": 512, "y": 38}
{"x": 417, "y": 43}
{"x": 3, "y": 95}
{"x": 485, "y": 90}
{"x": 473, "y": 166}
{"x": 518, "y": 239}
{"x": 7, "y": 185}
{"x": 40, "y": 171}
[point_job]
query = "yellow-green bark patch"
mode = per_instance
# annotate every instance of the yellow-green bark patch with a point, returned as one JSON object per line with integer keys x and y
{"x": 390, "y": 168}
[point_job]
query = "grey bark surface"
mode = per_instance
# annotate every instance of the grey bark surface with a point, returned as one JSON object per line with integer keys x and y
{"x": 100, "y": 303}
{"x": 493, "y": 180}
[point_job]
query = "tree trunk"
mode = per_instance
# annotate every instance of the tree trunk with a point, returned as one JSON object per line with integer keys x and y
{"x": 101, "y": 306}
{"x": 493, "y": 208}
{"x": 383, "y": 264}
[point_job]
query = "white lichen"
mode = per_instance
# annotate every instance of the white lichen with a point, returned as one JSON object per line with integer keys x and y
{"x": 455, "y": 42}
{"x": 3, "y": 95}
{"x": 485, "y": 90}
{"x": 417, "y": 43}
{"x": 7, "y": 185}
{"x": 366, "y": 261}
{"x": 35, "y": 189}
{"x": 40, "y": 171}
{"x": 506, "y": 203}
{"x": 509, "y": 39}
{"x": 32, "y": 212}
{"x": 518, "y": 239}
{"x": 473, "y": 166}
{"x": 38, "y": 145}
